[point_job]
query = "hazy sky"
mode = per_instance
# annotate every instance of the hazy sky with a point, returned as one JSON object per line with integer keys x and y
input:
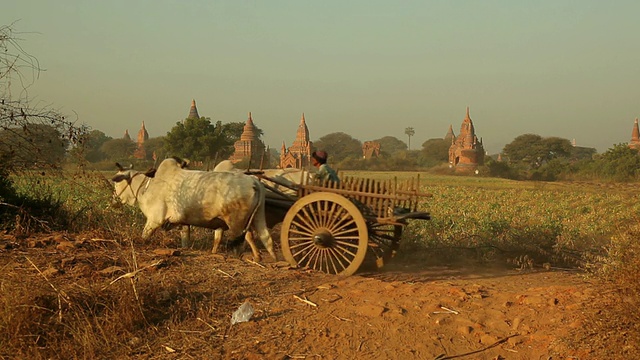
{"x": 367, "y": 68}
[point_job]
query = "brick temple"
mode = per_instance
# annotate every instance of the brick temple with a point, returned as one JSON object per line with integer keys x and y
{"x": 466, "y": 152}
{"x": 298, "y": 155}
{"x": 249, "y": 146}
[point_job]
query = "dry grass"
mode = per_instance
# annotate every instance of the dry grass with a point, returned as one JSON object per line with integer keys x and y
{"x": 104, "y": 300}
{"x": 613, "y": 328}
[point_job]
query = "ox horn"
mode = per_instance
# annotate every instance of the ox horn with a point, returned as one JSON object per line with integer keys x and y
{"x": 150, "y": 173}
{"x": 122, "y": 168}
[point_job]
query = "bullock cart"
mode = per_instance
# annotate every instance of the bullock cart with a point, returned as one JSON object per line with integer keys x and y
{"x": 335, "y": 228}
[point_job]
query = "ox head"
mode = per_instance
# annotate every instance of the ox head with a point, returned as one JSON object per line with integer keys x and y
{"x": 224, "y": 165}
{"x": 123, "y": 190}
{"x": 183, "y": 163}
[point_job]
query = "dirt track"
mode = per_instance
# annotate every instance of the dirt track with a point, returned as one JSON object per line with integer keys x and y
{"x": 416, "y": 312}
{"x": 406, "y": 311}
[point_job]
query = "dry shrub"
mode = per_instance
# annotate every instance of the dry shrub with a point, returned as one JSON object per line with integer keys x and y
{"x": 85, "y": 309}
{"x": 615, "y": 319}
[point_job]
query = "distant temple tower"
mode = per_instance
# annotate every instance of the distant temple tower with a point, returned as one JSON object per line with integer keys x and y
{"x": 193, "y": 111}
{"x": 370, "y": 149}
{"x": 450, "y": 137}
{"x": 143, "y": 136}
{"x": 466, "y": 152}
{"x": 126, "y": 135}
{"x": 249, "y": 146}
{"x": 299, "y": 154}
{"x": 635, "y": 136}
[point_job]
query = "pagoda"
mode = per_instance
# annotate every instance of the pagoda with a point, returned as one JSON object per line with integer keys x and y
{"x": 143, "y": 135}
{"x": 249, "y": 146}
{"x": 193, "y": 111}
{"x": 370, "y": 149}
{"x": 466, "y": 152}
{"x": 298, "y": 155}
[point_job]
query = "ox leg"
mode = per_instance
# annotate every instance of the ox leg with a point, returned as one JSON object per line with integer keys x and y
{"x": 217, "y": 238}
{"x": 254, "y": 249}
{"x": 260, "y": 226}
{"x": 185, "y": 236}
{"x": 149, "y": 228}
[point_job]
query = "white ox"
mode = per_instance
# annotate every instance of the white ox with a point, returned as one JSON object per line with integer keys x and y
{"x": 285, "y": 179}
{"x": 172, "y": 195}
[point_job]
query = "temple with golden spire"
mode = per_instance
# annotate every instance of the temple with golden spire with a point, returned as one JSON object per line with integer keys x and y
{"x": 466, "y": 152}
{"x": 249, "y": 146}
{"x": 298, "y": 155}
{"x": 635, "y": 136}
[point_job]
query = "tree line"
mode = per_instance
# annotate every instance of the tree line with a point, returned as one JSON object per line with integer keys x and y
{"x": 527, "y": 157}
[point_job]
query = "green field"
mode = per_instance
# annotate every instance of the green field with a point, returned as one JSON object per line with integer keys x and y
{"x": 564, "y": 224}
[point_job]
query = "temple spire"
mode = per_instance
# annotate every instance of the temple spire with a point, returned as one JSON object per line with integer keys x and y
{"x": 249, "y": 130}
{"x": 635, "y": 133}
{"x": 143, "y": 135}
{"x": 450, "y": 136}
{"x": 193, "y": 111}
{"x": 302, "y": 135}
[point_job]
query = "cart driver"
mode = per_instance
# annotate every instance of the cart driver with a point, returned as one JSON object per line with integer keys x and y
{"x": 319, "y": 160}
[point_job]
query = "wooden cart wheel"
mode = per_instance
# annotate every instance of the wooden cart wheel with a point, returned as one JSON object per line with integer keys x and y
{"x": 326, "y": 232}
{"x": 384, "y": 243}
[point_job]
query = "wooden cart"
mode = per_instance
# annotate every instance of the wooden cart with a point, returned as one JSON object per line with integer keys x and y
{"x": 334, "y": 228}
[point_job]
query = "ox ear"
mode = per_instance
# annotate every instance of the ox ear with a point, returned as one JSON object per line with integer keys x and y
{"x": 120, "y": 177}
{"x": 150, "y": 173}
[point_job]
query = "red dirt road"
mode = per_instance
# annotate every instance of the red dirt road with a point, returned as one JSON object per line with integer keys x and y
{"x": 406, "y": 311}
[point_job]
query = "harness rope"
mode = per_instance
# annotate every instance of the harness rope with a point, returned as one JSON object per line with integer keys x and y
{"x": 137, "y": 192}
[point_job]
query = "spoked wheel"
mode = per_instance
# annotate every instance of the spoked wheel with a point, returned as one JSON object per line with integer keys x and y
{"x": 384, "y": 243}
{"x": 325, "y": 232}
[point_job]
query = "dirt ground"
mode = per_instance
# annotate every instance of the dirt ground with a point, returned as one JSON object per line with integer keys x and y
{"x": 408, "y": 310}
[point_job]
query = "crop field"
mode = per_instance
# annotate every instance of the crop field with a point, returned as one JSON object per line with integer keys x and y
{"x": 570, "y": 224}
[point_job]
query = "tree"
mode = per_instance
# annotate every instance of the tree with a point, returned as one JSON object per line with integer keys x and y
{"x": 30, "y": 135}
{"x": 339, "y": 146}
{"x": 619, "y": 163}
{"x": 199, "y": 140}
{"x": 557, "y": 148}
{"x": 390, "y": 145}
{"x": 155, "y": 146}
{"x": 409, "y": 132}
{"x": 436, "y": 150}
{"x": 195, "y": 139}
{"x": 534, "y": 150}
{"x": 22, "y": 143}
{"x": 118, "y": 149}
{"x": 582, "y": 153}
{"x": 88, "y": 147}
